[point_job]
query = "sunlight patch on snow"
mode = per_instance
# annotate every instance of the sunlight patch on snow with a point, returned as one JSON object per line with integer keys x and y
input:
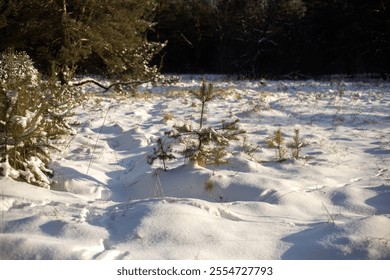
{"x": 109, "y": 203}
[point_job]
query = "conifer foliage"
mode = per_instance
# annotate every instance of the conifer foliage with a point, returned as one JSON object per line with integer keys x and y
{"x": 64, "y": 36}
{"x": 203, "y": 146}
{"x": 276, "y": 141}
{"x": 33, "y": 116}
{"x": 296, "y": 144}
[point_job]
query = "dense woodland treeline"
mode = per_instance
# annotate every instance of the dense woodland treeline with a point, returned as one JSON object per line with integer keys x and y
{"x": 248, "y": 37}
{"x": 65, "y": 36}
{"x": 275, "y": 37}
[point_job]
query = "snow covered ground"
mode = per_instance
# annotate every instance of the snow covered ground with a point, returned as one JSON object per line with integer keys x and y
{"x": 109, "y": 203}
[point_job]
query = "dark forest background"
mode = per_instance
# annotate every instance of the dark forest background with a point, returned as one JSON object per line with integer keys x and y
{"x": 275, "y": 37}
{"x": 268, "y": 38}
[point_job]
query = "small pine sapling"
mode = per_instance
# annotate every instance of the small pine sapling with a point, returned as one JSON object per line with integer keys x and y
{"x": 296, "y": 144}
{"x": 162, "y": 151}
{"x": 231, "y": 130}
{"x": 205, "y": 145}
{"x": 205, "y": 94}
{"x": 208, "y": 145}
{"x": 276, "y": 141}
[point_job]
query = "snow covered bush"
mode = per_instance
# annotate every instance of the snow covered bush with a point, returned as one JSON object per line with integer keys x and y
{"x": 208, "y": 145}
{"x": 33, "y": 116}
{"x": 203, "y": 146}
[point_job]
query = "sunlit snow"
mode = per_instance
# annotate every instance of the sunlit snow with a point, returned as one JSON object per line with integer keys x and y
{"x": 107, "y": 202}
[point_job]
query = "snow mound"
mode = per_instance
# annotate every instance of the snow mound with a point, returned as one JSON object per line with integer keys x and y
{"x": 332, "y": 202}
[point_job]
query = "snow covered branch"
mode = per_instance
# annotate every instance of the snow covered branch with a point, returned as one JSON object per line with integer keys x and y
{"x": 110, "y": 86}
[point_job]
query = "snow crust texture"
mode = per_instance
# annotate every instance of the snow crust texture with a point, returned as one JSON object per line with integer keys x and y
{"x": 333, "y": 202}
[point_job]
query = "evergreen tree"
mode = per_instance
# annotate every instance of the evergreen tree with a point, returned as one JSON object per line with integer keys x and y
{"x": 64, "y": 35}
{"x": 32, "y": 116}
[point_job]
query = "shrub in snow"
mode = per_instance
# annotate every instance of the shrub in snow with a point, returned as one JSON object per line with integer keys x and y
{"x": 205, "y": 145}
{"x": 33, "y": 116}
{"x": 296, "y": 144}
{"x": 209, "y": 145}
{"x": 276, "y": 141}
{"x": 162, "y": 151}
